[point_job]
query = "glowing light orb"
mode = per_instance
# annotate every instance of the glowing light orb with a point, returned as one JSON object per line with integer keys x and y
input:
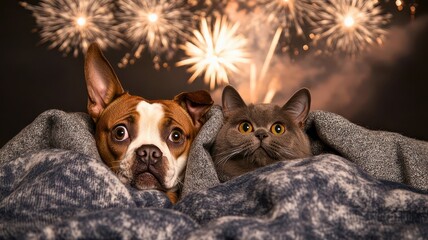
{"x": 153, "y": 17}
{"x": 398, "y": 3}
{"x": 348, "y": 21}
{"x": 81, "y": 21}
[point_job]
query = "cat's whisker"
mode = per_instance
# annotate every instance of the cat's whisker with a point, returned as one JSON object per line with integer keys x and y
{"x": 223, "y": 157}
{"x": 283, "y": 152}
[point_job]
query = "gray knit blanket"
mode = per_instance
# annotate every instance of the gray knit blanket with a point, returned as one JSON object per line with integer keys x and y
{"x": 360, "y": 184}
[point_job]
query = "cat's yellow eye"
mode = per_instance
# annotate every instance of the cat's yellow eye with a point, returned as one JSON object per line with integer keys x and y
{"x": 277, "y": 129}
{"x": 245, "y": 127}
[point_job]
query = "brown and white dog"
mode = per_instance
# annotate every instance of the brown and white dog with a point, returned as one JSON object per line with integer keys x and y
{"x": 146, "y": 143}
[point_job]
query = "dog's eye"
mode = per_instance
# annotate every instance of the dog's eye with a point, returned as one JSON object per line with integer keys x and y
{"x": 120, "y": 133}
{"x": 176, "y": 136}
{"x": 277, "y": 129}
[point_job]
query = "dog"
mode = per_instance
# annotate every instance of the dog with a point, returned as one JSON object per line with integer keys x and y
{"x": 145, "y": 142}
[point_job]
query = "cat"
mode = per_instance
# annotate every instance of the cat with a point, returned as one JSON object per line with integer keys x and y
{"x": 257, "y": 135}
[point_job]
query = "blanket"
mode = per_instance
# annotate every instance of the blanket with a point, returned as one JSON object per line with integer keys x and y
{"x": 53, "y": 184}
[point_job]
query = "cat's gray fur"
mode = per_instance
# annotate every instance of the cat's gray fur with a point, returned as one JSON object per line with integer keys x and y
{"x": 236, "y": 153}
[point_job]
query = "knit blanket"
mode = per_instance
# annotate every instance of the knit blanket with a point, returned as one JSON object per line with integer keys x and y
{"x": 360, "y": 184}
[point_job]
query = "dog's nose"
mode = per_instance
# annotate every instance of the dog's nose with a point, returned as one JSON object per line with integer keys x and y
{"x": 261, "y": 134}
{"x": 149, "y": 154}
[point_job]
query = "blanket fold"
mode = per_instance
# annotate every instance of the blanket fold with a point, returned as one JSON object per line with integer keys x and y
{"x": 323, "y": 197}
{"x": 53, "y": 129}
{"x": 385, "y": 155}
{"x": 53, "y": 184}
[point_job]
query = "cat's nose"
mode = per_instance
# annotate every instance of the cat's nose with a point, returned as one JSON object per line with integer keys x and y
{"x": 261, "y": 134}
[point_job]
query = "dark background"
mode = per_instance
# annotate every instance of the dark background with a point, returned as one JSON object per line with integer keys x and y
{"x": 35, "y": 79}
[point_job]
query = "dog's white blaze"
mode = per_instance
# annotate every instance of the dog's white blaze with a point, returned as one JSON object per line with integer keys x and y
{"x": 149, "y": 133}
{"x": 148, "y": 127}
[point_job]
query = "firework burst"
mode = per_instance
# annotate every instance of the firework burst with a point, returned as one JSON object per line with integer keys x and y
{"x": 157, "y": 25}
{"x": 349, "y": 26}
{"x": 215, "y": 51}
{"x": 288, "y": 15}
{"x": 72, "y": 25}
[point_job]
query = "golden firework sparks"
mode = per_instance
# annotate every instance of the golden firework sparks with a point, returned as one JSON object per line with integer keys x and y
{"x": 215, "y": 51}
{"x": 288, "y": 15}
{"x": 156, "y": 25}
{"x": 349, "y": 26}
{"x": 72, "y": 25}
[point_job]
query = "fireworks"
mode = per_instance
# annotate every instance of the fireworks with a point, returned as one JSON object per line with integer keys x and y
{"x": 287, "y": 14}
{"x": 154, "y": 24}
{"x": 216, "y": 51}
{"x": 349, "y": 26}
{"x": 72, "y": 25}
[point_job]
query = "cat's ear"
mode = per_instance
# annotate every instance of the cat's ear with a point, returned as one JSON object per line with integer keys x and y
{"x": 231, "y": 99}
{"x": 298, "y": 106}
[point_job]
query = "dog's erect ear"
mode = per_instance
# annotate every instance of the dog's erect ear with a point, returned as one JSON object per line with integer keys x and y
{"x": 101, "y": 81}
{"x": 231, "y": 99}
{"x": 196, "y": 104}
{"x": 298, "y": 106}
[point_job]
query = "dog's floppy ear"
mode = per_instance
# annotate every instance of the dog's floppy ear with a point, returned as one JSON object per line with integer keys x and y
{"x": 101, "y": 81}
{"x": 298, "y": 106}
{"x": 196, "y": 104}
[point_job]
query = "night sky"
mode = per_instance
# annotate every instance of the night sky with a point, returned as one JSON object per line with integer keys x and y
{"x": 390, "y": 94}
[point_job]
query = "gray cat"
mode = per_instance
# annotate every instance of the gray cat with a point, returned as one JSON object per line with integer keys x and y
{"x": 256, "y": 135}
